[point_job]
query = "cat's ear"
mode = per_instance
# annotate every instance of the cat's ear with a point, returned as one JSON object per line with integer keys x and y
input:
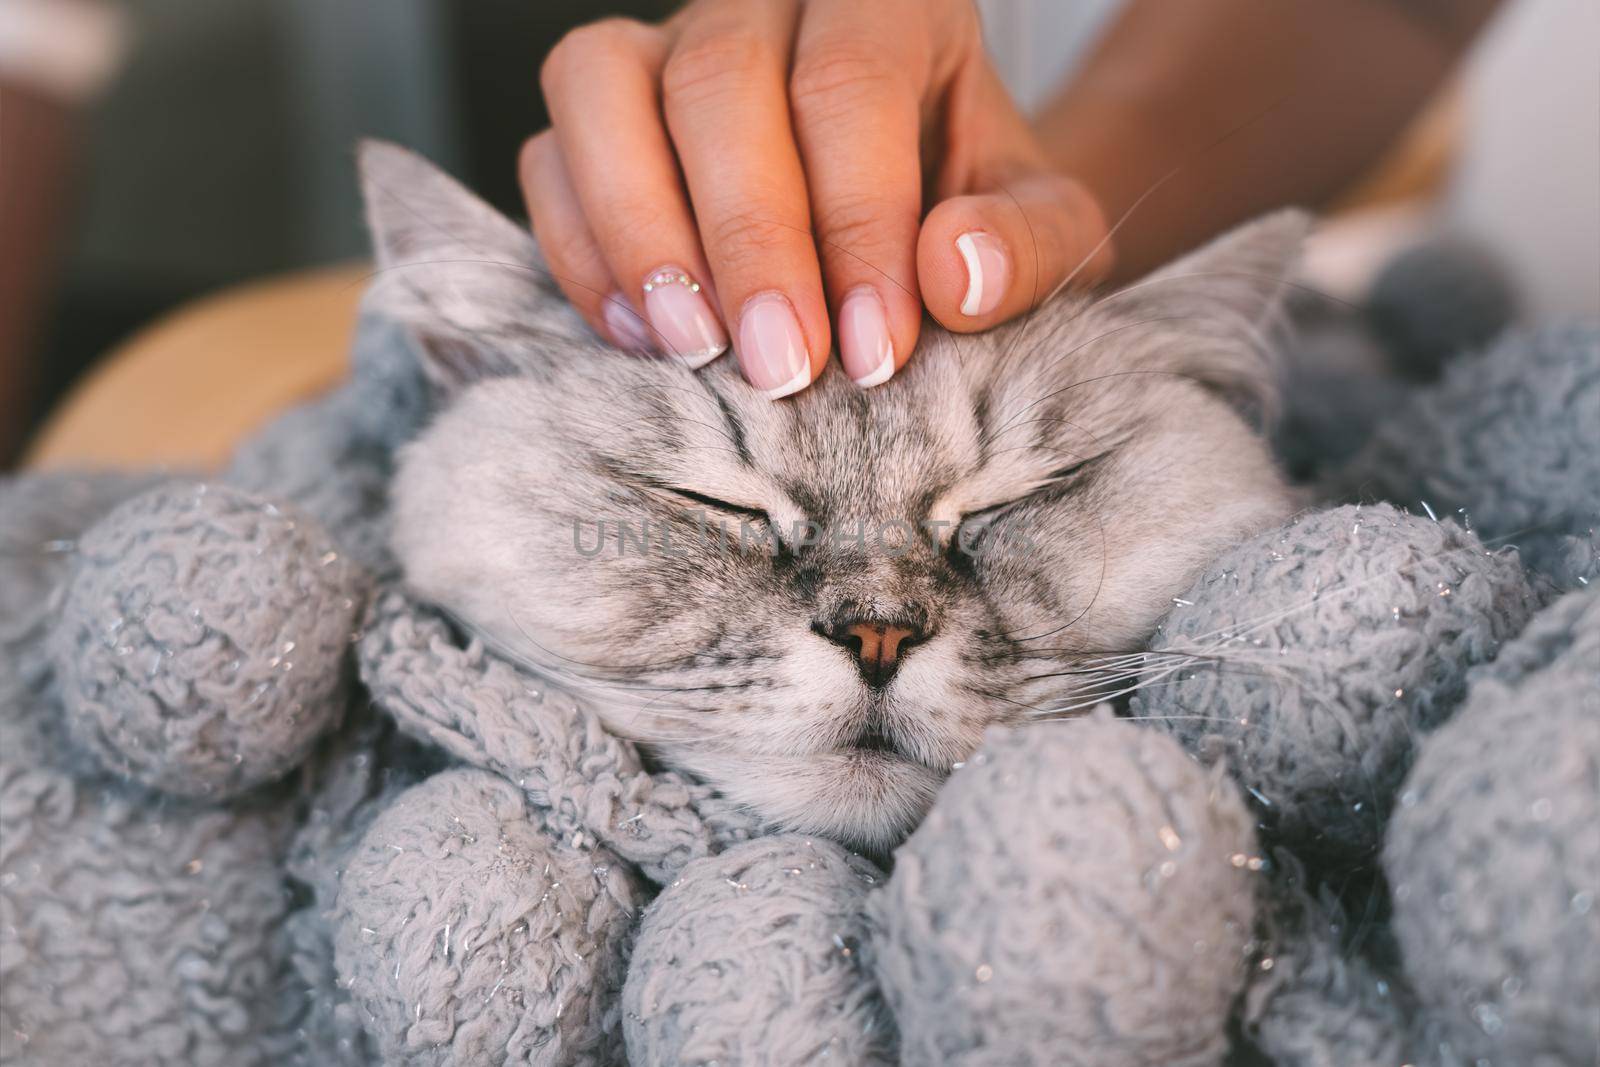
{"x": 466, "y": 281}
{"x": 1226, "y": 299}
{"x": 1242, "y": 274}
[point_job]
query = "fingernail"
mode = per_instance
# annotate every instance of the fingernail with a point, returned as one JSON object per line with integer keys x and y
{"x": 988, "y": 271}
{"x": 684, "y": 325}
{"x": 864, "y": 345}
{"x": 626, "y": 328}
{"x": 772, "y": 349}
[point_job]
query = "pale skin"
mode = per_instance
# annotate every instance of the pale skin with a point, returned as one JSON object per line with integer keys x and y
{"x": 789, "y": 176}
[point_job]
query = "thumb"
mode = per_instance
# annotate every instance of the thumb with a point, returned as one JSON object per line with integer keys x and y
{"x": 988, "y": 257}
{"x": 1012, "y": 231}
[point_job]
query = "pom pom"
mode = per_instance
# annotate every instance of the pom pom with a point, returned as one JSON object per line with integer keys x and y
{"x": 1507, "y": 438}
{"x": 201, "y": 644}
{"x": 1437, "y": 300}
{"x": 1315, "y": 995}
{"x": 465, "y": 935}
{"x": 1337, "y": 386}
{"x": 1494, "y": 857}
{"x": 755, "y": 956}
{"x": 1080, "y": 886}
{"x": 1311, "y": 657}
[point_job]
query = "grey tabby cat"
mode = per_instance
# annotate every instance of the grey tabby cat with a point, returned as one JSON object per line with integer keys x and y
{"x": 688, "y": 555}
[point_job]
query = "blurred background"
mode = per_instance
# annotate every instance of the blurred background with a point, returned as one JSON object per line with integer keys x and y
{"x": 152, "y": 151}
{"x": 210, "y": 141}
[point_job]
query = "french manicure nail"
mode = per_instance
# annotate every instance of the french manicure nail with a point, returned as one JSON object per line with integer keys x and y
{"x": 988, "y": 271}
{"x": 772, "y": 348}
{"x": 685, "y": 327}
{"x": 626, "y": 328}
{"x": 864, "y": 345}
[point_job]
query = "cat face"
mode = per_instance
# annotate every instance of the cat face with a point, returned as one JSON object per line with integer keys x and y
{"x": 819, "y": 604}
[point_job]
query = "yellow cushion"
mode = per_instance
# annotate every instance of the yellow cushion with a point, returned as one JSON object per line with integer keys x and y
{"x": 185, "y": 390}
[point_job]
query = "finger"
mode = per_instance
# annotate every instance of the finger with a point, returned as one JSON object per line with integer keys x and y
{"x": 570, "y": 250}
{"x": 855, "y": 95}
{"x": 1009, "y": 231}
{"x": 725, "y": 97}
{"x": 988, "y": 257}
{"x": 600, "y": 82}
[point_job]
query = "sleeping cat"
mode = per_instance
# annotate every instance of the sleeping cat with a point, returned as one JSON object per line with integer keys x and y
{"x": 818, "y": 604}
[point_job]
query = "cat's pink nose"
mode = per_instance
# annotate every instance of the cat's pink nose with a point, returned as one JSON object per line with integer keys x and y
{"x": 878, "y": 647}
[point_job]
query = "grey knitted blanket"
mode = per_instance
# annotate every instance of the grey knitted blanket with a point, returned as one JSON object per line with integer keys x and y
{"x": 257, "y": 806}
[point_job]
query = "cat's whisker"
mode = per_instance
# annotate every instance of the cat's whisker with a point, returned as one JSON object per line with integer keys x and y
{"x": 674, "y": 418}
{"x": 1145, "y": 283}
{"x": 1098, "y": 675}
{"x": 1050, "y": 449}
{"x": 553, "y": 671}
{"x": 1061, "y": 419}
{"x": 610, "y": 691}
{"x": 1156, "y": 372}
{"x": 1100, "y": 585}
{"x": 1145, "y": 680}
{"x": 1241, "y": 628}
{"x": 1159, "y": 183}
{"x": 607, "y": 670}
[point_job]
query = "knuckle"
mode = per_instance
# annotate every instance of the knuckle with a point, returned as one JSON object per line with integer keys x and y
{"x": 743, "y": 240}
{"x": 833, "y": 77}
{"x": 717, "y": 63}
{"x": 533, "y": 153}
{"x": 854, "y": 222}
{"x": 573, "y": 259}
{"x": 585, "y": 47}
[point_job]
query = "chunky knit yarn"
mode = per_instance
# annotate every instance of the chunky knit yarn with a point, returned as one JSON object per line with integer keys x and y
{"x": 703, "y": 986}
{"x": 202, "y": 639}
{"x": 1505, "y": 441}
{"x": 216, "y": 849}
{"x": 1080, "y": 886}
{"x": 1494, "y": 854}
{"x": 1314, "y": 658}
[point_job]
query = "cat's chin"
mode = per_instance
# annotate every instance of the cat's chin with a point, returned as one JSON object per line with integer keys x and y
{"x": 866, "y": 799}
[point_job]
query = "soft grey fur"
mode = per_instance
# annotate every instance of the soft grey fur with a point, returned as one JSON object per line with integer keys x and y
{"x": 710, "y": 658}
{"x": 1106, "y": 925}
{"x": 1322, "y": 731}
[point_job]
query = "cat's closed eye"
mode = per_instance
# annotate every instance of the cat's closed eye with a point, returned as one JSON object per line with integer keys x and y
{"x": 706, "y": 500}
{"x": 1055, "y": 480}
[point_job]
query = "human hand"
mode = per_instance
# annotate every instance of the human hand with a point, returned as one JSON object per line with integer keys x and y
{"x": 753, "y": 164}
